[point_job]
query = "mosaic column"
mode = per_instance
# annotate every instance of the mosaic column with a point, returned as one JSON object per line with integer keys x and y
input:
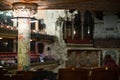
{"x": 23, "y": 12}
{"x": 14, "y": 46}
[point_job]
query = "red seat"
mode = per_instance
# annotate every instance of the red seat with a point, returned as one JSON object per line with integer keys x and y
{"x": 105, "y": 74}
{"x": 73, "y": 74}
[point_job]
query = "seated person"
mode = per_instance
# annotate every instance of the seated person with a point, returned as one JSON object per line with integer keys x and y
{"x": 109, "y": 62}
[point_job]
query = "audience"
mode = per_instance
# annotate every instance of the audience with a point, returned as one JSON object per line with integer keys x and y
{"x": 109, "y": 62}
{"x": 44, "y": 75}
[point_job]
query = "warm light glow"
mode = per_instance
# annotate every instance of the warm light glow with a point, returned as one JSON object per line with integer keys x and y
{"x": 74, "y": 32}
{"x": 1, "y": 38}
{"x": 31, "y": 40}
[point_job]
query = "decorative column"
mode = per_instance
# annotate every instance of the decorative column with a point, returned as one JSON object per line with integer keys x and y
{"x": 23, "y": 12}
{"x": 82, "y": 25}
{"x": 36, "y": 26}
{"x": 14, "y": 45}
{"x": 73, "y": 29}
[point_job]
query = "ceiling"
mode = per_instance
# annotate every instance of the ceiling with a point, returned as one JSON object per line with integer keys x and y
{"x": 95, "y": 5}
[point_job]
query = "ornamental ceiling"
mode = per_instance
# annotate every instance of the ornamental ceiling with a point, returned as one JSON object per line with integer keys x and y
{"x": 96, "y": 5}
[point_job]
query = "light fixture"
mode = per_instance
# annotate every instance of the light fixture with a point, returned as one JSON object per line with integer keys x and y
{"x": 1, "y": 38}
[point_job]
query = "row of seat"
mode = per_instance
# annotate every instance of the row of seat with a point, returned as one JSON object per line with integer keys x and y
{"x": 27, "y": 75}
{"x": 18, "y": 75}
{"x": 63, "y": 74}
{"x": 88, "y": 74}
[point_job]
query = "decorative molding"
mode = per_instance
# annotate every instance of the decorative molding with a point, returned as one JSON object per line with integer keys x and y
{"x": 79, "y": 45}
{"x": 14, "y": 33}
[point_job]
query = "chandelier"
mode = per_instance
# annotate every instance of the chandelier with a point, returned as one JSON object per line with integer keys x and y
{"x": 23, "y": 9}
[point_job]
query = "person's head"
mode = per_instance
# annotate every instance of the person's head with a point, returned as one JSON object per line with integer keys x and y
{"x": 48, "y": 48}
{"x": 108, "y": 58}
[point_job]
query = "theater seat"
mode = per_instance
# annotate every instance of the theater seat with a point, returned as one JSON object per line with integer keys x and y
{"x": 73, "y": 74}
{"x": 105, "y": 74}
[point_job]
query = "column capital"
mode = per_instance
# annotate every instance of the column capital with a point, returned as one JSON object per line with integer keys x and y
{"x": 23, "y": 9}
